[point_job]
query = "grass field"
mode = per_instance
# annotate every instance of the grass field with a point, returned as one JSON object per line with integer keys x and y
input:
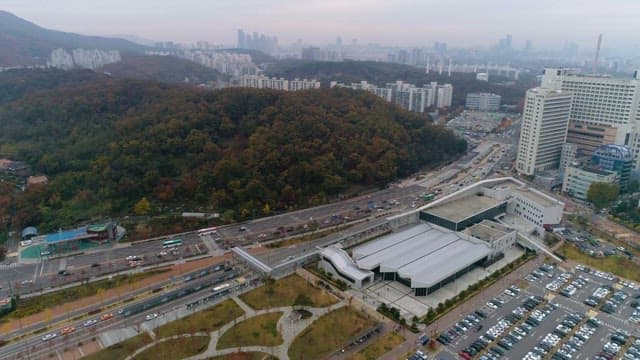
{"x": 261, "y": 330}
{"x": 283, "y": 292}
{"x": 36, "y": 304}
{"x": 176, "y": 348}
{"x": 328, "y": 334}
{"x": 205, "y": 321}
{"x": 244, "y": 356}
{"x": 382, "y": 345}
{"x": 616, "y": 265}
{"x": 121, "y": 350}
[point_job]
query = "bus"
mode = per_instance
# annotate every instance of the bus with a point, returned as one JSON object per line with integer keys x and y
{"x": 428, "y": 197}
{"x": 207, "y": 231}
{"x": 172, "y": 243}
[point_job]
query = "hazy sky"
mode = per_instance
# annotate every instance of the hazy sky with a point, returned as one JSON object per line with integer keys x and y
{"x": 391, "y": 22}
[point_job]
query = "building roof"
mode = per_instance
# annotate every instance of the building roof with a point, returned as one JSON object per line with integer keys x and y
{"x": 30, "y": 230}
{"x": 462, "y": 208}
{"x": 341, "y": 260}
{"x": 426, "y": 254}
{"x": 487, "y": 230}
{"x": 68, "y": 235}
{"x": 535, "y": 196}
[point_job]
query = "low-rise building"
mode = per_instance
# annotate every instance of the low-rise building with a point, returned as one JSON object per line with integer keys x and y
{"x": 577, "y": 180}
{"x": 483, "y": 101}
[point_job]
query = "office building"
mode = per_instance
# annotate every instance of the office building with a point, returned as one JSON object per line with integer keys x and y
{"x": 568, "y": 156}
{"x": 616, "y": 158}
{"x": 544, "y": 127}
{"x": 578, "y": 179}
{"x": 604, "y": 109}
{"x": 483, "y": 101}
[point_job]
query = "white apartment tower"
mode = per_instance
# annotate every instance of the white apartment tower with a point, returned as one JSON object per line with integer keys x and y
{"x": 545, "y": 118}
{"x": 604, "y": 109}
{"x": 444, "y": 95}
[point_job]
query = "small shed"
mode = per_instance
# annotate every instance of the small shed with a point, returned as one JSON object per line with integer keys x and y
{"x": 29, "y": 232}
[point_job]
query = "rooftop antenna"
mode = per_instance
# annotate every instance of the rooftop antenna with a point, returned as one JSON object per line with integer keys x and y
{"x": 595, "y": 59}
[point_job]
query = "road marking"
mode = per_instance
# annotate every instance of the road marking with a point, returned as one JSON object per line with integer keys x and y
{"x": 35, "y": 272}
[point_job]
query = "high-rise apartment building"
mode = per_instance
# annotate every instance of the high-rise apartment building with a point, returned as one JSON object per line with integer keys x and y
{"x": 545, "y": 118}
{"x": 444, "y": 95}
{"x": 604, "y": 109}
{"x": 264, "y": 82}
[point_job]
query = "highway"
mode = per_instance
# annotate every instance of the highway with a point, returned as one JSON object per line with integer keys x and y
{"x": 45, "y": 274}
{"x": 35, "y": 347}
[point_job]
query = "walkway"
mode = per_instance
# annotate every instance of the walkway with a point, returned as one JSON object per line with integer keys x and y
{"x": 288, "y": 327}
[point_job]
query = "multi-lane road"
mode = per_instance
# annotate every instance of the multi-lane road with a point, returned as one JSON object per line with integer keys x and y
{"x": 36, "y": 347}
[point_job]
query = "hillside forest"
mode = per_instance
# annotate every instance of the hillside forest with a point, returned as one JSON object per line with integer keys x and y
{"x": 116, "y": 147}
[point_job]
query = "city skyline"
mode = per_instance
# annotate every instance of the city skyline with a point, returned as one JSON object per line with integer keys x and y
{"x": 401, "y": 23}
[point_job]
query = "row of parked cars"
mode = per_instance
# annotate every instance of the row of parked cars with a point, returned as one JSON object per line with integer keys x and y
{"x": 558, "y": 282}
{"x": 504, "y": 335}
{"x": 472, "y": 320}
{"x": 462, "y": 326}
{"x": 578, "y": 283}
{"x": 611, "y": 306}
{"x": 611, "y": 349}
{"x": 598, "y": 294}
{"x": 633, "y": 352}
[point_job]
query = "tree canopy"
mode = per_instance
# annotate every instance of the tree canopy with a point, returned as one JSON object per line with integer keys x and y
{"x": 106, "y": 144}
{"x": 602, "y": 194}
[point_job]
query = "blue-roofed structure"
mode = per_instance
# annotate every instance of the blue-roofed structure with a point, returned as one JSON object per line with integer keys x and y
{"x": 616, "y": 158}
{"x": 68, "y": 235}
{"x": 29, "y": 232}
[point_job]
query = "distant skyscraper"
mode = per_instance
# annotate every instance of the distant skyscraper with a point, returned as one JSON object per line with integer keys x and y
{"x": 545, "y": 118}
{"x": 338, "y": 41}
{"x": 528, "y": 45}
{"x": 241, "y": 43}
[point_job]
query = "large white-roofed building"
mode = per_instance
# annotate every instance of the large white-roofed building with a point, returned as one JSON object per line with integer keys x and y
{"x": 338, "y": 262}
{"x": 424, "y": 257}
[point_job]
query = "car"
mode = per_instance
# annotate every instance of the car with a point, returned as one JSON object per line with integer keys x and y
{"x": 491, "y": 305}
{"x": 49, "y": 337}
{"x": 67, "y": 330}
{"x": 95, "y": 265}
{"x": 151, "y": 316}
{"x": 26, "y": 282}
{"x": 106, "y": 316}
{"x": 90, "y": 322}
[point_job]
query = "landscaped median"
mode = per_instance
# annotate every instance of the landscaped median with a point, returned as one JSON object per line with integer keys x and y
{"x": 261, "y": 330}
{"x": 284, "y": 292}
{"x": 329, "y": 333}
{"x": 179, "y": 348}
{"x": 206, "y": 320}
{"x": 617, "y": 265}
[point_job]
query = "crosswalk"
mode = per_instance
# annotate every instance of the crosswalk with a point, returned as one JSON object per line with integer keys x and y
{"x": 8, "y": 266}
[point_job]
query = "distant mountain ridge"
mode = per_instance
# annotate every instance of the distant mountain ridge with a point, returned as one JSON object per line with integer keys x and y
{"x": 25, "y": 43}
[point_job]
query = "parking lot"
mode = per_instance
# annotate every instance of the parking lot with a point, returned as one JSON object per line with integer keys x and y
{"x": 546, "y": 317}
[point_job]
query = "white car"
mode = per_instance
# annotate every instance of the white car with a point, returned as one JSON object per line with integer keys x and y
{"x": 90, "y": 322}
{"x": 49, "y": 337}
{"x": 491, "y": 305}
{"x": 151, "y": 316}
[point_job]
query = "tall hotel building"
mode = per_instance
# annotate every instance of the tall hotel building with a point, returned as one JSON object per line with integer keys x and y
{"x": 545, "y": 118}
{"x": 604, "y": 109}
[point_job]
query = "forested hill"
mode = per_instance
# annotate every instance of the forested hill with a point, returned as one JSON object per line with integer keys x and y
{"x": 161, "y": 68}
{"x": 380, "y": 73}
{"x": 107, "y": 144}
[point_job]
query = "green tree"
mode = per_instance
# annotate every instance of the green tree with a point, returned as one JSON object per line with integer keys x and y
{"x": 601, "y": 194}
{"x": 142, "y": 207}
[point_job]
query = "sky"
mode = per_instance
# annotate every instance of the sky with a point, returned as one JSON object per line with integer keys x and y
{"x": 548, "y": 23}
